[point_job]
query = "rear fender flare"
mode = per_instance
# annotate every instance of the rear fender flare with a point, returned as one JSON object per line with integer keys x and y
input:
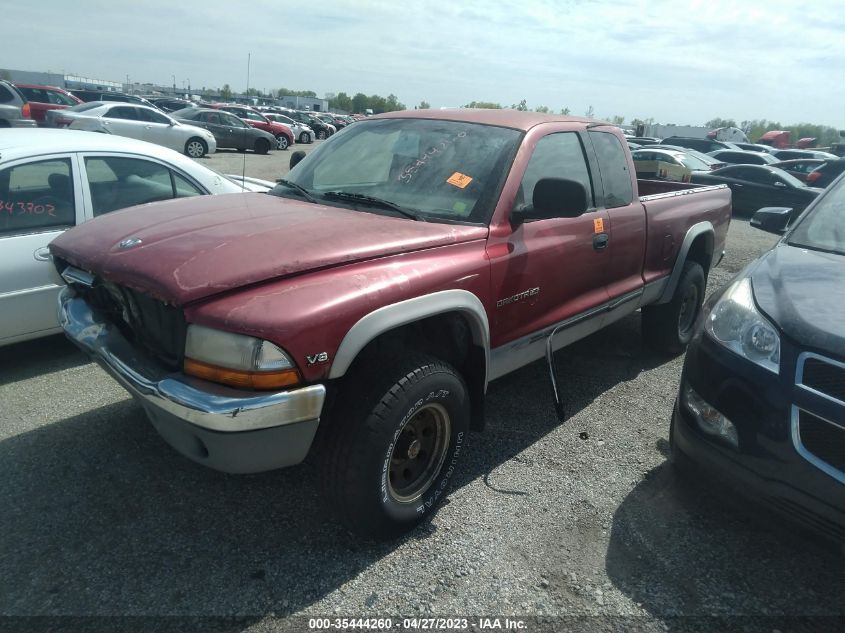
{"x": 402, "y": 313}
{"x": 696, "y": 230}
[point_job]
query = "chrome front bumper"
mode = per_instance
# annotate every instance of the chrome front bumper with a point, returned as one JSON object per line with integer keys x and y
{"x": 223, "y": 428}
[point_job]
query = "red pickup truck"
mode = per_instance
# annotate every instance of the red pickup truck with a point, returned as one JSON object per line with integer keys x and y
{"x": 364, "y": 307}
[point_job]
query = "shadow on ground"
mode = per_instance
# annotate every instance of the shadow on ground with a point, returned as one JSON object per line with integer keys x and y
{"x": 101, "y": 517}
{"x": 36, "y": 358}
{"x": 680, "y": 546}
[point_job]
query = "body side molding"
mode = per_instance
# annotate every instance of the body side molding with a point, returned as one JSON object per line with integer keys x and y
{"x": 397, "y": 314}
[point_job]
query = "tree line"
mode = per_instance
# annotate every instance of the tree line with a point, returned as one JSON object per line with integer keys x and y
{"x": 360, "y": 103}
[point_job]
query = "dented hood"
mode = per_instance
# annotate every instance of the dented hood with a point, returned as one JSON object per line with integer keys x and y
{"x": 193, "y": 248}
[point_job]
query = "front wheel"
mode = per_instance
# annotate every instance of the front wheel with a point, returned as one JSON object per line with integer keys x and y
{"x": 281, "y": 142}
{"x": 262, "y": 146}
{"x": 305, "y": 137}
{"x": 321, "y": 135}
{"x": 669, "y": 327}
{"x": 393, "y": 445}
{"x": 196, "y": 148}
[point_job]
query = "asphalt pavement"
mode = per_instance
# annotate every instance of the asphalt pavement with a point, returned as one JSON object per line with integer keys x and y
{"x": 583, "y": 519}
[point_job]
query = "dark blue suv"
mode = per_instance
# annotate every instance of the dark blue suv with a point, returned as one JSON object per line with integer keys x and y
{"x": 762, "y": 394}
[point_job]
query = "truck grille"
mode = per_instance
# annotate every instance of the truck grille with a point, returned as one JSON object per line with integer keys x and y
{"x": 157, "y": 328}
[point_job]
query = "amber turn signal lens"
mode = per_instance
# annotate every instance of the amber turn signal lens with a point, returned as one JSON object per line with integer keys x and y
{"x": 242, "y": 379}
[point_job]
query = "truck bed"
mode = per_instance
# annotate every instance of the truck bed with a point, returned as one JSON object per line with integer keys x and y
{"x": 669, "y": 208}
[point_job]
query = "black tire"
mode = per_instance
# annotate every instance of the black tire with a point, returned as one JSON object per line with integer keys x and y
{"x": 196, "y": 147}
{"x": 4, "y": 123}
{"x": 281, "y": 142}
{"x": 262, "y": 146}
{"x": 393, "y": 443}
{"x": 305, "y": 137}
{"x": 668, "y": 327}
{"x": 321, "y": 135}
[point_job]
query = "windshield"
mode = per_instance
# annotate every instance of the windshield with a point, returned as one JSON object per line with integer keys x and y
{"x": 440, "y": 170}
{"x": 823, "y": 228}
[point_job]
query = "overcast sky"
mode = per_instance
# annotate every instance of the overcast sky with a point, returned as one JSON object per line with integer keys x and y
{"x": 676, "y": 61}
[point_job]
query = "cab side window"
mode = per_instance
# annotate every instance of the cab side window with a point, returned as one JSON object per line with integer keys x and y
{"x": 36, "y": 196}
{"x": 613, "y": 165}
{"x": 558, "y": 155}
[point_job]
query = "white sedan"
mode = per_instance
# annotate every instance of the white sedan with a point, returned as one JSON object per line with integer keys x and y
{"x": 52, "y": 180}
{"x": 138, "y": 122}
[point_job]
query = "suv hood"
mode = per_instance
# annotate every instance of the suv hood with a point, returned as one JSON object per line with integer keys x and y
{"x": 194, "y": 248}
{"x": 802, "y": 292}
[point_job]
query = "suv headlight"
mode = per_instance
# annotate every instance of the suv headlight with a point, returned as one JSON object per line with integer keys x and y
{"x": 736, "y": 323}
{"x": 237, "y": 360}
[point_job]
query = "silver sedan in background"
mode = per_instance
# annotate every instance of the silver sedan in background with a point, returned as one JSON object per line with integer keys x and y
{"x": 135, "y": 121}
{"x": 52, "y": 180}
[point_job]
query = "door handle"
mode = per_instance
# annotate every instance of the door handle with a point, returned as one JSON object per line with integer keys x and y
{"x": 149, "y": 127}
{"x": 738, "y": 186}
{"x": 600, "y": 241}
{"x": 42, "y": 254}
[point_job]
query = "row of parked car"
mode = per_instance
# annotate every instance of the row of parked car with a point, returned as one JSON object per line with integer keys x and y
{"x": 758, "y": 175}
{"x": 195, "y": 129}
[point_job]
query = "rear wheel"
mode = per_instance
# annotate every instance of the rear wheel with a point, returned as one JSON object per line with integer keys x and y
{"x": 196, "y": 147}
{"x": 262, "y": 146}
{"x": 281, "y": 142}
{"x": 668, "y": 327}
{"x": 393, "y": 444}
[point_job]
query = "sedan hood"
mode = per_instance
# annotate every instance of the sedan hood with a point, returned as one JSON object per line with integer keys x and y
{"x": 803, "y": 292}
{"x": 190, "y": 249}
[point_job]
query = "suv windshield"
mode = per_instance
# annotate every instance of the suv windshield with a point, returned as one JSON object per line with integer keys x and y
{"x": 440, "y": 170}
{"x": 823, "y": 229}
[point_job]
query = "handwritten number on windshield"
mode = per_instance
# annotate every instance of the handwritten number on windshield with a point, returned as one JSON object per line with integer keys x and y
{"x": 427, "y": 158}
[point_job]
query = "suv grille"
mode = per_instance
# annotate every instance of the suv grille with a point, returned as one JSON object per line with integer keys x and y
{"x": 824, "y": 377}
{"x": 821, "y": 383}
{"x": 825, "y": 440}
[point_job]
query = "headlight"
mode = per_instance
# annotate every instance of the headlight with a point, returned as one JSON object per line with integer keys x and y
{"x": 237, "y": 360}
{"x": 736, "y": 323}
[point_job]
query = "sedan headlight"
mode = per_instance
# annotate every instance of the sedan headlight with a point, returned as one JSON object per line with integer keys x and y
{"x": 237, "y": 360}
{"x": 736, "y": 323}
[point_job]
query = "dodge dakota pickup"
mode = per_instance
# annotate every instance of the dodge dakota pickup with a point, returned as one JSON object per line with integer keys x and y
{"x": 357, "y": 313}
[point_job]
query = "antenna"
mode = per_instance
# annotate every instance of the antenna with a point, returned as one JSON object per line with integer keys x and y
{"x": 243, "y": 170}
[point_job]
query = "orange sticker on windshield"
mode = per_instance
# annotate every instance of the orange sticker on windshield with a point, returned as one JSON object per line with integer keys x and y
{"x": 459, "y": 180}
{"x": 598, "y": 225}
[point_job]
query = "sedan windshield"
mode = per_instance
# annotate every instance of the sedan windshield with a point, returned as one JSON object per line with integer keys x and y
{"x": 823, "y": 228}
{"x": 691, "y": 162}
{"x": 433, "y": 169}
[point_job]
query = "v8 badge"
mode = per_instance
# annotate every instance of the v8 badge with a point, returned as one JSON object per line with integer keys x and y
{"x": 322, "y": 357}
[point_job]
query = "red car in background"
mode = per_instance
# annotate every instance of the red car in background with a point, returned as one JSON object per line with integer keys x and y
{"x": 44, "y": 98}
{"x": 283, "y": 134}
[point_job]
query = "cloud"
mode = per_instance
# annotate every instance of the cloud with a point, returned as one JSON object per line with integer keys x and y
{"x": 677, "y": 62}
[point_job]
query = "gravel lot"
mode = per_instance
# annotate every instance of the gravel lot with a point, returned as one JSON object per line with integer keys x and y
{"x": 584, "y": 518}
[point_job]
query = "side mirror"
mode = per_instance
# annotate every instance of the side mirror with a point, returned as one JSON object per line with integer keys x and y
{"x": 296, "y": 157}
{"x": 772, "y": 219}
{"x": 553, "y": 198}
